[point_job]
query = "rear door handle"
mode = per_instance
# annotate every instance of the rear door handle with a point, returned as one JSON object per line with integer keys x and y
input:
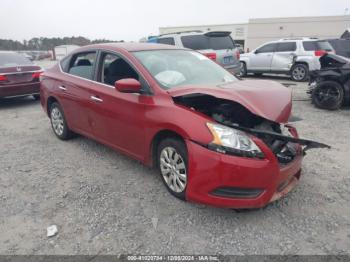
{"x": 96, "y": 99}
{"x": 62, "y": 88}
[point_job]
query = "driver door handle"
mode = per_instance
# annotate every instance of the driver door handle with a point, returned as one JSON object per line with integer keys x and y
{"x": 96, "y": 99}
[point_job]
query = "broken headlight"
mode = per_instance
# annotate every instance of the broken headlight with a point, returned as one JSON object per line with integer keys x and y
{"x": 231, "y": 141}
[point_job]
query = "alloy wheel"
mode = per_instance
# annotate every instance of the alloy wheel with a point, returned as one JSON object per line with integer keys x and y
{"x": 173, "y": 169}
{"x": 299, "y": 73}
{"x": 57, "y": 121}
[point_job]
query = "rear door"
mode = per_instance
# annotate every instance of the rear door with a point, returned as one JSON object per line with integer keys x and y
{"x": 261, "y": 58}
{"x": 283, "y": 56}
{"x": 73, "y": 90}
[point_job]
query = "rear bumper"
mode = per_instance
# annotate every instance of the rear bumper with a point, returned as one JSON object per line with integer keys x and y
{"x": 20, "y": 89}
{"x": 233, "y": 69}
{"x": 247, "y": 182}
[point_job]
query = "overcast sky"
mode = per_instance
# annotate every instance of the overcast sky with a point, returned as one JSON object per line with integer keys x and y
{"x": 132, "y": 19}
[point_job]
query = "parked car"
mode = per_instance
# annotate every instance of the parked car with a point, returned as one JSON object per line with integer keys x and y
{"x": 216, "y": 140}
{"x": 295, "y": 57}
{"x": 341, "y": 46}
{"x": 217, "y": 45}
{"x": 18, "y": 76}
{"x": 330, "y": 86}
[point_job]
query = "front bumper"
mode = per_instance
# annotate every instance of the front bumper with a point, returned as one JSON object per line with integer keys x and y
{"x": 210, "y": 171}
{"x": 22, "y": 89}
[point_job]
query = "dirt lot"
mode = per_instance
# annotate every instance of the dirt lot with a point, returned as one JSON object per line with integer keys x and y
{"x": 104, "y": 203}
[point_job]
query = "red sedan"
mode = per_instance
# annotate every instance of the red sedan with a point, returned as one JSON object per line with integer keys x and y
{"x": 18, "y": 76}
{"x": 216, "y": 139}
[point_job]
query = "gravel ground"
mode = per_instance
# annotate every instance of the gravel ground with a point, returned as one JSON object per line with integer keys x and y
{"x": 104, "y": 203}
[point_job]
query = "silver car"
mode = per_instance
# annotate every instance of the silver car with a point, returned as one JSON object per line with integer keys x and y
{"x": 217, "y": 45}
{"x": 295, "y": 57}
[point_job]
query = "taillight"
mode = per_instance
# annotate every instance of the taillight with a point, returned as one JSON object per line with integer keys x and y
{"x": 3, "y": 78}
{"x": 212, "y": 56}
{"x": 320, "y": 52}
{"x": 238, "y": 55}
{"x": 36, "y": 74}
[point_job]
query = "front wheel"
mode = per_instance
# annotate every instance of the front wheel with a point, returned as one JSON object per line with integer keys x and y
{"x": 299, "y": 72}
{"x": 59, "y": 123}
{"x": 328, "y": 95}
{"x": 173, "y": 166}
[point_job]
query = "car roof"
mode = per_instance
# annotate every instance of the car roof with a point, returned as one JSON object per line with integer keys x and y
{"x": 131, "y": 47}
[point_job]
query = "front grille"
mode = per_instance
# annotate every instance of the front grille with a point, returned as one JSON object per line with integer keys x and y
{"x": 235, "y": 192}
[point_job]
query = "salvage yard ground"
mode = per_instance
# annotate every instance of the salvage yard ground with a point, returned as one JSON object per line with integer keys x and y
{"x": 105, "y": 203}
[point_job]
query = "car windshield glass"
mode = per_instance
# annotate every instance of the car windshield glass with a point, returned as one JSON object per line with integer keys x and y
{"x": 202, "y": 42}
{"x": 174, "y": 68}
{"x": 13, "y": 59}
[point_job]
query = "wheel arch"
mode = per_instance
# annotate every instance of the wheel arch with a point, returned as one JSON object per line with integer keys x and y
{"x": 158, "y": 137}
{"x": 49, "y": 102}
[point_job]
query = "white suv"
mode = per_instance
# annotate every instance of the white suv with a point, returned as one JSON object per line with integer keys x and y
{"x": 294, "y": 56}
{"x": 216, "y": 45}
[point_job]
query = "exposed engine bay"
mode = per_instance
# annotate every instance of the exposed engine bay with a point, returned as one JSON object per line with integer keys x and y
{"x": 232, "y": 114}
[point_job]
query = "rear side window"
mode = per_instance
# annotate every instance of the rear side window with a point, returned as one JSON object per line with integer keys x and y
{"x": 317, "y": 45}
{"x": 267, "y": 48}
{"x": 195, "y": 42}
{"x": 286, "y": 47}
{"x": 201, "y": 42}
{"x": 166, "y": 41}
{"x": 82, "y": 65}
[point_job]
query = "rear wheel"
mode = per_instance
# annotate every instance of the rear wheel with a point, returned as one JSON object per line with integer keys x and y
{"x": 59, "y": 123}
{"x": 299, "y": 72}
{"x": 243, "y": 69}
{"x": 328, "y": 95}
{"x": 172, "y": 162}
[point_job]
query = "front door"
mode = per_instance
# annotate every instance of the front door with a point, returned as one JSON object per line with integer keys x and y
{"x": 261, "y": 59}
{"x": 117, "y": 118}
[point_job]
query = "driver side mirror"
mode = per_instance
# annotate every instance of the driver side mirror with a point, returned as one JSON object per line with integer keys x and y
{"x": 128, "y": 85}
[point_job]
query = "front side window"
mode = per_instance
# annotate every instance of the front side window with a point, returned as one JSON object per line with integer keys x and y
{"x": 175, "y": 68}
{"x": 286, "y": 47}
{"x": 269, "y": 48}
{"x": 115, "y": 68}
{"x": 82, "y": 65}
{"x": 166, "y": 41}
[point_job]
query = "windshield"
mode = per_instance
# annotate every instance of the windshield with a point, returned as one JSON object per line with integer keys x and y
{"x": 173, "y": 68}
{"x": 13, "y": 59}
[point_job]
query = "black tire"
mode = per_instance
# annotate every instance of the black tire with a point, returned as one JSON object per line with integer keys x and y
{"x": 299, "y": 72}
{"x": 180, "y": 149}
{"x": 36, "y": 97}
{"x": 328, "y": 95}
{"x": 243, "y": 70}
{"x": 66, "y": 133}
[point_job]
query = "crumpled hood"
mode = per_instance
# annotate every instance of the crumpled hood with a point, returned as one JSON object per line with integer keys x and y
{"x": 267, "y": 99}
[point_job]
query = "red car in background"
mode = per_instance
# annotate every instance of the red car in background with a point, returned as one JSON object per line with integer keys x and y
{"x": 216, "y": 139}
{"x": 18, "y": 76}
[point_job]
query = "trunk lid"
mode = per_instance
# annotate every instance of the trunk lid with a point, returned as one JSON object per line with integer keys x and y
{"x": 266, "y": 99}
{"x": 19, "y": 74}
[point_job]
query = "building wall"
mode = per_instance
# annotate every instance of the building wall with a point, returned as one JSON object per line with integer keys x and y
{"x": 264, "y": 30}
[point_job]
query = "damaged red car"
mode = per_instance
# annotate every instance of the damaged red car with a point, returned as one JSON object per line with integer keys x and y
{"x": 215, "y": 139}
